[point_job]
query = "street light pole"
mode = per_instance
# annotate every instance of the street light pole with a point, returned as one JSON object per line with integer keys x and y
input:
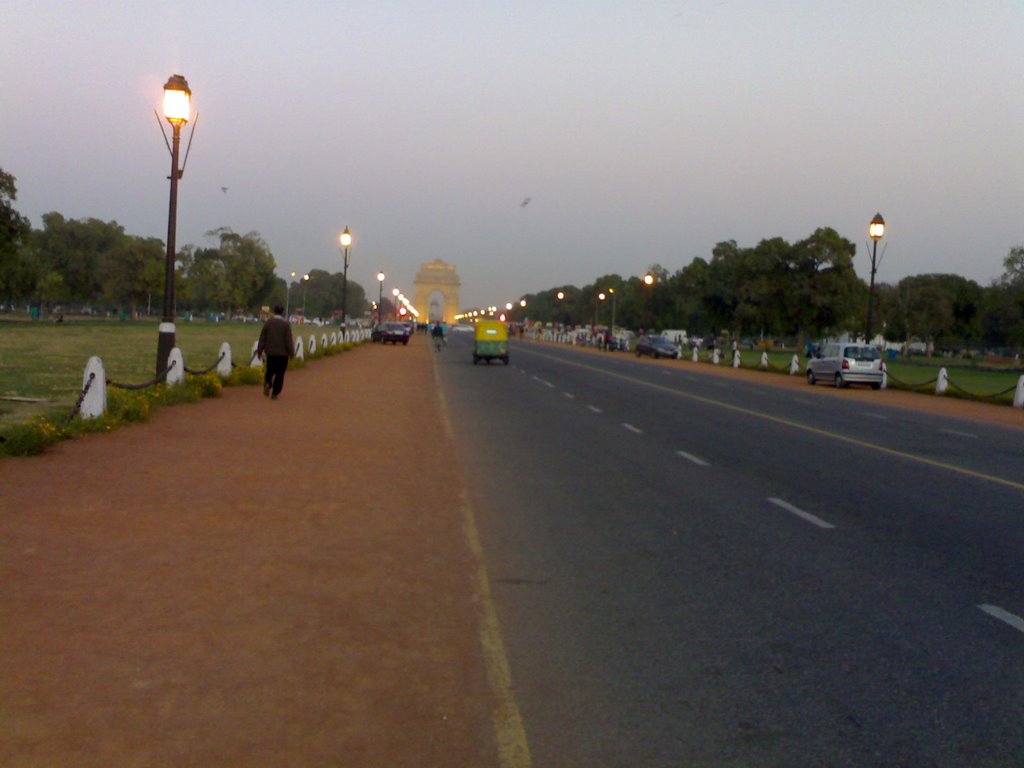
{"x": 876, "y": 231}
{"x": 395, "y": 292}
{"x": 380, "y": 295}
{"x": 177, "y": 100}
{"x": 346, "y": 241}
{"x": 287, "y": 295}
{"x": 305, "y": 282}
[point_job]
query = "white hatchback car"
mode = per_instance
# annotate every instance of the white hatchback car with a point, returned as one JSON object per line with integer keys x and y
{"x": 845, "y": 364}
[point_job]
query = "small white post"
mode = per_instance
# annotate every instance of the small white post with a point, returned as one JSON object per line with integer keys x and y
{"x": 298, "y": 349}
{"x": 323, "y": 341}
{"x": 1018, "y": 396}
{"x": 885, "y": 376}
{"x": 794, "y": 366}
{"x": 176, "y": 374}
{"x": 942, "y": 382}
{"x": 334, "y": 338}
{"x": 735, "y": 358}
{"x": 764, "y": 359}
{"x": 714, "y": 356}
{"x": 254, "y": 361}
{"x": 312, "y": 344}
{"x": 224, "y": 362}
{"x": 94, "y": 404}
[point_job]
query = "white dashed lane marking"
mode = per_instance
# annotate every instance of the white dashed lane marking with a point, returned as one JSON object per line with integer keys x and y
{"x": 812, "y": 519}
{"x": 634, "y": 430}
{"x": 694, "y": 459}
{"x": 1004, "y": 616}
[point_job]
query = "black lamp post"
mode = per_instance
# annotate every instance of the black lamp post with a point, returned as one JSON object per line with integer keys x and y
{"x": 346, "y": 240}
{"x": 876, "y": 231}
{"x": 287, "y": 296}
{"x": 380, "y": 295}
{"x": 177, "y": 100}
{"x": 305, "y": 281}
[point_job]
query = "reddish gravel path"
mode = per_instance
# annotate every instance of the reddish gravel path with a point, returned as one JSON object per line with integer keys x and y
{"x": 248, "y": 583}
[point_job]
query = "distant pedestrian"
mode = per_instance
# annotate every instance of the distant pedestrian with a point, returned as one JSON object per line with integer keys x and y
{"x": 438, "y": 335}
{"x": 275, "y": 347}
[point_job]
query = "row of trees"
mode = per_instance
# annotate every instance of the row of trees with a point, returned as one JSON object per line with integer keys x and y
{"x": 801, "y": 290}
{"x": 94, "y": 263}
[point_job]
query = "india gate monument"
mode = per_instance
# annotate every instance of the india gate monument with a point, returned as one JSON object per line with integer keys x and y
{"x": 436, "y": 294}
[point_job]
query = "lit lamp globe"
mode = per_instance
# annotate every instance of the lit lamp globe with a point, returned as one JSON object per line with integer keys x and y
{"x": 345, "y": 238}
{"x": 876, "y": 230}
{"x": 522, "y": 302}
{"x": 177, "y": 100}
{"x": 648, "y": 279}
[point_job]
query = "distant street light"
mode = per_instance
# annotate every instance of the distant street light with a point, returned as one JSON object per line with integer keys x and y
{"x": 876, "y": 231}
{"x": 305, "y": 282}
{"x": 648, "y": 280}
{"x": 380, "y": 295}
{"x": 287, "y": 295}
{"x": 177, "y": 103}
{"x": 395, "y": 292}
{"x": 346, "y": 240}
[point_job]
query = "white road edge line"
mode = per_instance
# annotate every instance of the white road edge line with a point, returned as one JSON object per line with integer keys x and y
{"x": 631, "y": 428}
{"x": 690, "y": 457}
{"x": 800, "y": 513}
{"x": 570, "y": 395}
{"x": 595, "y": 409}
{"x": 545, "y": 383}
{"x": 959, "y": 434}
{"x": 879, "y": 416}
{"x": 1005, "y": 616}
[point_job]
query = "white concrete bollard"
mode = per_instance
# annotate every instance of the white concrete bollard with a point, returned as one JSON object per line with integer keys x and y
{"x": 764, "y": 359}
{"x": 254, "y": 361}
{"x": 714, "y": 356}
{"x": 942, "y": 382}
{"x": 94, "y": 404}
{"x": 1018, "y": 396}
{"x": 323, "y": 341}
{"x": 312, "y": 344}
{"x": 176, "y": 374}
{"x": 885, "y": 376}
{"x": 334, "y": 338}
{"x": 696, "y": 356}
{"x": 299, "y": 349}
{"x": 224, "y": 366}
{"x": 735, "y": 358}
{"x": 794, "y": 366}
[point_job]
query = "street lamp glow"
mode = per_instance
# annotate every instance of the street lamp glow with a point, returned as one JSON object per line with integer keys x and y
{"x": 560, "y": 295}
{"x": 876, "y": 229}
{"x": 345, "y": 238}
{"x": 508, "y": 305}
{"x": 177, "y": 100}
{"x": 380, "y": 277}
{"x": 522, "y": 302}
{"x": 648, "y": 279}
{"x": 601, "y": 296}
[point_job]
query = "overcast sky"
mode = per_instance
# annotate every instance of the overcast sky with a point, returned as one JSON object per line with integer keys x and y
{"x": 641, "y": 132}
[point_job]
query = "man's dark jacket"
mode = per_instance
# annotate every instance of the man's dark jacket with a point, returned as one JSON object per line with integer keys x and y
{"x": 276, "y": 338}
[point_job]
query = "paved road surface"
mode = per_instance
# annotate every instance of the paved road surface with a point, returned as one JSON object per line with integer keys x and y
{"x": 703, "y": 571}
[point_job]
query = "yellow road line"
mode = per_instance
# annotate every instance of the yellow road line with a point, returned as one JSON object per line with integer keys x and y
{"x": 793, "y": 424}
{"x": 513, "y": 750}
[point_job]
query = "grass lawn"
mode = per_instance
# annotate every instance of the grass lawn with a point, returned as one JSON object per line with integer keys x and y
{"x": 45, "y": 360}
{"x": 973, "y": 380}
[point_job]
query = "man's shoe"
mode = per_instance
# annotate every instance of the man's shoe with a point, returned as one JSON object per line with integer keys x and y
{"x": 266, "y": 389}
{"x": 273, "y": 397}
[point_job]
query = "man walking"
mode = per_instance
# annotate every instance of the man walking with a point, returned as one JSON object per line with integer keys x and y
{"x": 275, "y": 346}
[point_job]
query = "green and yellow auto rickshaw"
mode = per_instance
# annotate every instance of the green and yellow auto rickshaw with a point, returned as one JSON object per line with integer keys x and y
{"x": 491, "y": 342}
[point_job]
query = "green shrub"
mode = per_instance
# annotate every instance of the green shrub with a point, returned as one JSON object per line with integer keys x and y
{"x": 245, "y": 375}
{"x": 31, "y": 438}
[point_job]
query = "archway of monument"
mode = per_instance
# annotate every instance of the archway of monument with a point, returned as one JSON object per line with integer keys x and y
{"x": 436, "y": 293}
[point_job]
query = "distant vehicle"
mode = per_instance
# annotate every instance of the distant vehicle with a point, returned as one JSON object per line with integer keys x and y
{"x": 656, "y": 346}
{"x": 395, "y": 333}
{"x": 462, "y": 328}
{"x": 490, "y": 342}
{"x": 845, "y": 364}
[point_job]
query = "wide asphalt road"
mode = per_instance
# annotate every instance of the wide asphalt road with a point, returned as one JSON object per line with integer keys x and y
{"x": 692, "y": 570}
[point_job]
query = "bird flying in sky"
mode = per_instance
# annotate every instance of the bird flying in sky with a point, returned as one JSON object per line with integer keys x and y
{"x": 526, "y": 202}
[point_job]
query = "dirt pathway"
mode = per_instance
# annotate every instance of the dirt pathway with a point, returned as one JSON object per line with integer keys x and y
{"x": 247, "y": 582}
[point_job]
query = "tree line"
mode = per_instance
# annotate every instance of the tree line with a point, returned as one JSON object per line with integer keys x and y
{"x": 97, "y": 264}
{"x": 795, "y": 291}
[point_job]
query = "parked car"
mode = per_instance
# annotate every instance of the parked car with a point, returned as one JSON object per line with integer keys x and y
{"x": 844, "y": 364}
{"x": 395, "y": 333}
{"x": 656, "y": 346}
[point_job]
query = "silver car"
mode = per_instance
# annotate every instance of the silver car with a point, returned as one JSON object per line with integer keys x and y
{"x": 845, "y": 364}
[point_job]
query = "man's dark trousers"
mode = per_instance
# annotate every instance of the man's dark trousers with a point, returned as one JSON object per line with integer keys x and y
{"x": 276, "y": 366}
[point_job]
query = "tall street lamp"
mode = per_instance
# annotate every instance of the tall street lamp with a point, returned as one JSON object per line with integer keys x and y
{"x": 380, "y": 295}
{"x": 177, "y": 102}
{"x": 346, "y": 240}
{"x": 395, "y": 292}
{"x": 648, "y": 281}
{"x": 305, "y": 282}
{"x": 287, "y": 295}
{"x": 876, "y": 231}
